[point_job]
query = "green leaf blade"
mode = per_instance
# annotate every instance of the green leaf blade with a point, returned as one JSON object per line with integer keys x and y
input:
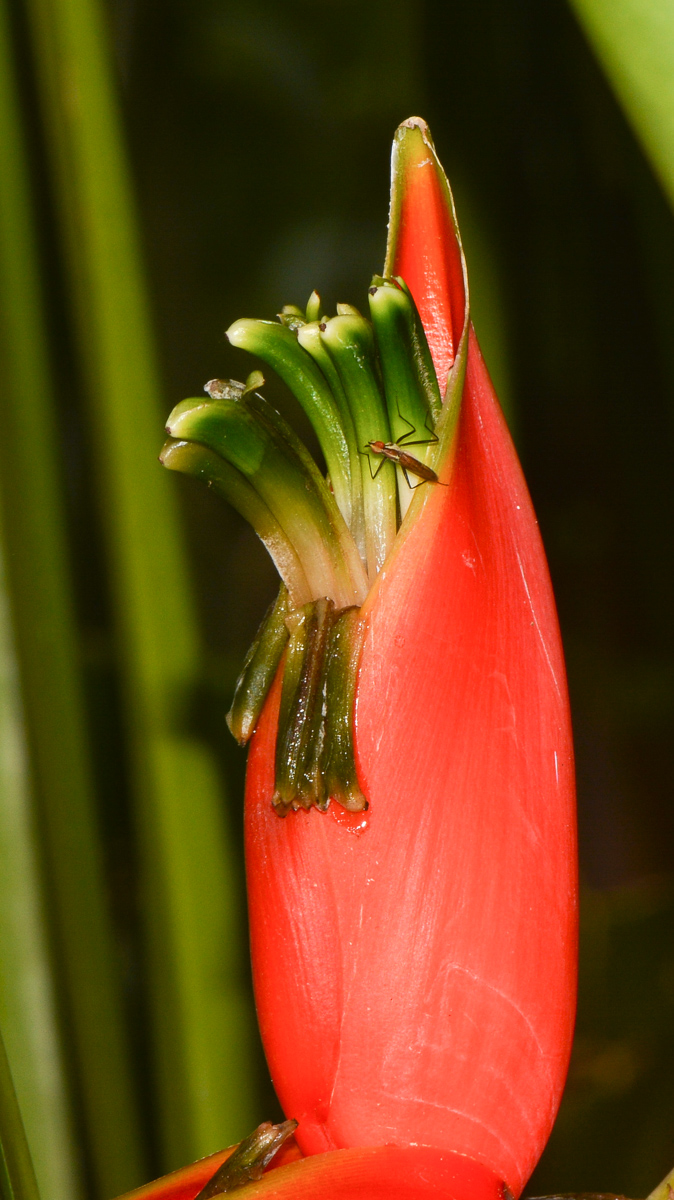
{"x": 634, "y": 41}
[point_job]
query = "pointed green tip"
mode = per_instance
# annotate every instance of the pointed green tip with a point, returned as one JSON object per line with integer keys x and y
{"x": 415, "y": 133}
{"x": 313, "y": 306}
{"x": 182, "y": 409}
{"x": 254, "y": 382}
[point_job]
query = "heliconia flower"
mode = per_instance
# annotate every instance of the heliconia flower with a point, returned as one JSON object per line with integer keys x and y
{"x": 414, "y": 964}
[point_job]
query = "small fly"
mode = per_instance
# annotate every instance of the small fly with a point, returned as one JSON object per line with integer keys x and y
{"x": 407, "y": 462}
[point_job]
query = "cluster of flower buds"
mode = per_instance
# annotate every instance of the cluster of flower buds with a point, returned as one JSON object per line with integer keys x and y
{"x": 370, "y": 390}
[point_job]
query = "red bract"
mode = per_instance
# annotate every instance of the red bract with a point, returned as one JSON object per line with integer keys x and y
{"x": 378, "y": 1173}
{"x": 187, "y": 1182}
{"x": 183, "y": 1184}
{"x": 372, "y": 1173}
{"x": 415, "y": 970}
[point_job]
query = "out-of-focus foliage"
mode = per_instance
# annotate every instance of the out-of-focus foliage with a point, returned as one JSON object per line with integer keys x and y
{"x": 615, "y": 1125}
{"x": 635, "y": 43}
{"x": 259, "y": 137}
{"x": 198, "y": 1007}
{"x": 37, "y": 569}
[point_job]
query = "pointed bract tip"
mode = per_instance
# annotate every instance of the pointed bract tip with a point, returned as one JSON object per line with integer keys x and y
{"x": 414, "y": 125}
{"x": 424, "y": 246}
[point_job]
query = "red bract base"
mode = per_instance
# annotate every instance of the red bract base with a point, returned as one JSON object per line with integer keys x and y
{"x": 187, "y": 1182}
{"x": 386, "y": 1172}
{"x": 415, "y": 969}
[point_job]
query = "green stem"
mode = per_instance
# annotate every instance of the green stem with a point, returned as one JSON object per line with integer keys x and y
{"x": 350, "y": 343}
{"x": 279, "y": 348}
{"x": 349, "y": 550}
{"x": 405, "y": 371}
{"x": 309, "y": 337}
{"x": 191, "y": 458}
{"x": 250, "y": 436}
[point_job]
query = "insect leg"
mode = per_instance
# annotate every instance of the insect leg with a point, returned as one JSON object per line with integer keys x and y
{"x": 411, "y": 486}
{"x": 373, "y": 474}
{"x": 404, "y": 440}
{"x": 412, "y": 428}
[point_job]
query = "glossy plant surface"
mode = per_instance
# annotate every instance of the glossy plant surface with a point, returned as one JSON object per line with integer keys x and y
{"x": 389, "y": 1172}
{"x": 415, "y": 968}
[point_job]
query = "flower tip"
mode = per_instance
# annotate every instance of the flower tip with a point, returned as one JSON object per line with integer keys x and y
{"x": 165, "y": 452}
{"x": 236, "y": 334}
{"x": 416, "y": 123}
{"x": 313, "y": 309}
{"x": 179, "y": 413}
{"x": 424, "y": 246}
{"x": 414, "y": 136}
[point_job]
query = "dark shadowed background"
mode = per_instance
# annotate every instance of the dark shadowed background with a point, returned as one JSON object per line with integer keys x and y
{"x": 259, "y": 136}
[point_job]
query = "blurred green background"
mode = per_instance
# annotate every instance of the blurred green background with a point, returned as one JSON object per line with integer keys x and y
{"x": 169, "y": 167}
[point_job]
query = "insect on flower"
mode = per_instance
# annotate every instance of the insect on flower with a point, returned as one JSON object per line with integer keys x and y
{"x": 395, "y": 453}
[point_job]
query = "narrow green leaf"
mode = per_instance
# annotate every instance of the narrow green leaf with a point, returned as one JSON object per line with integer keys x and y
{"x": 43, "y": 616}
{"x": 27, "y": 1003}
{"x": 634, "y": 41}
{"x": 203, "y": 1026}
{"x": 17, "y": 1177}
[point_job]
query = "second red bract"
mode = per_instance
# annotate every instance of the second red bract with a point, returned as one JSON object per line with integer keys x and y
{"x": 414, "y": 969}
